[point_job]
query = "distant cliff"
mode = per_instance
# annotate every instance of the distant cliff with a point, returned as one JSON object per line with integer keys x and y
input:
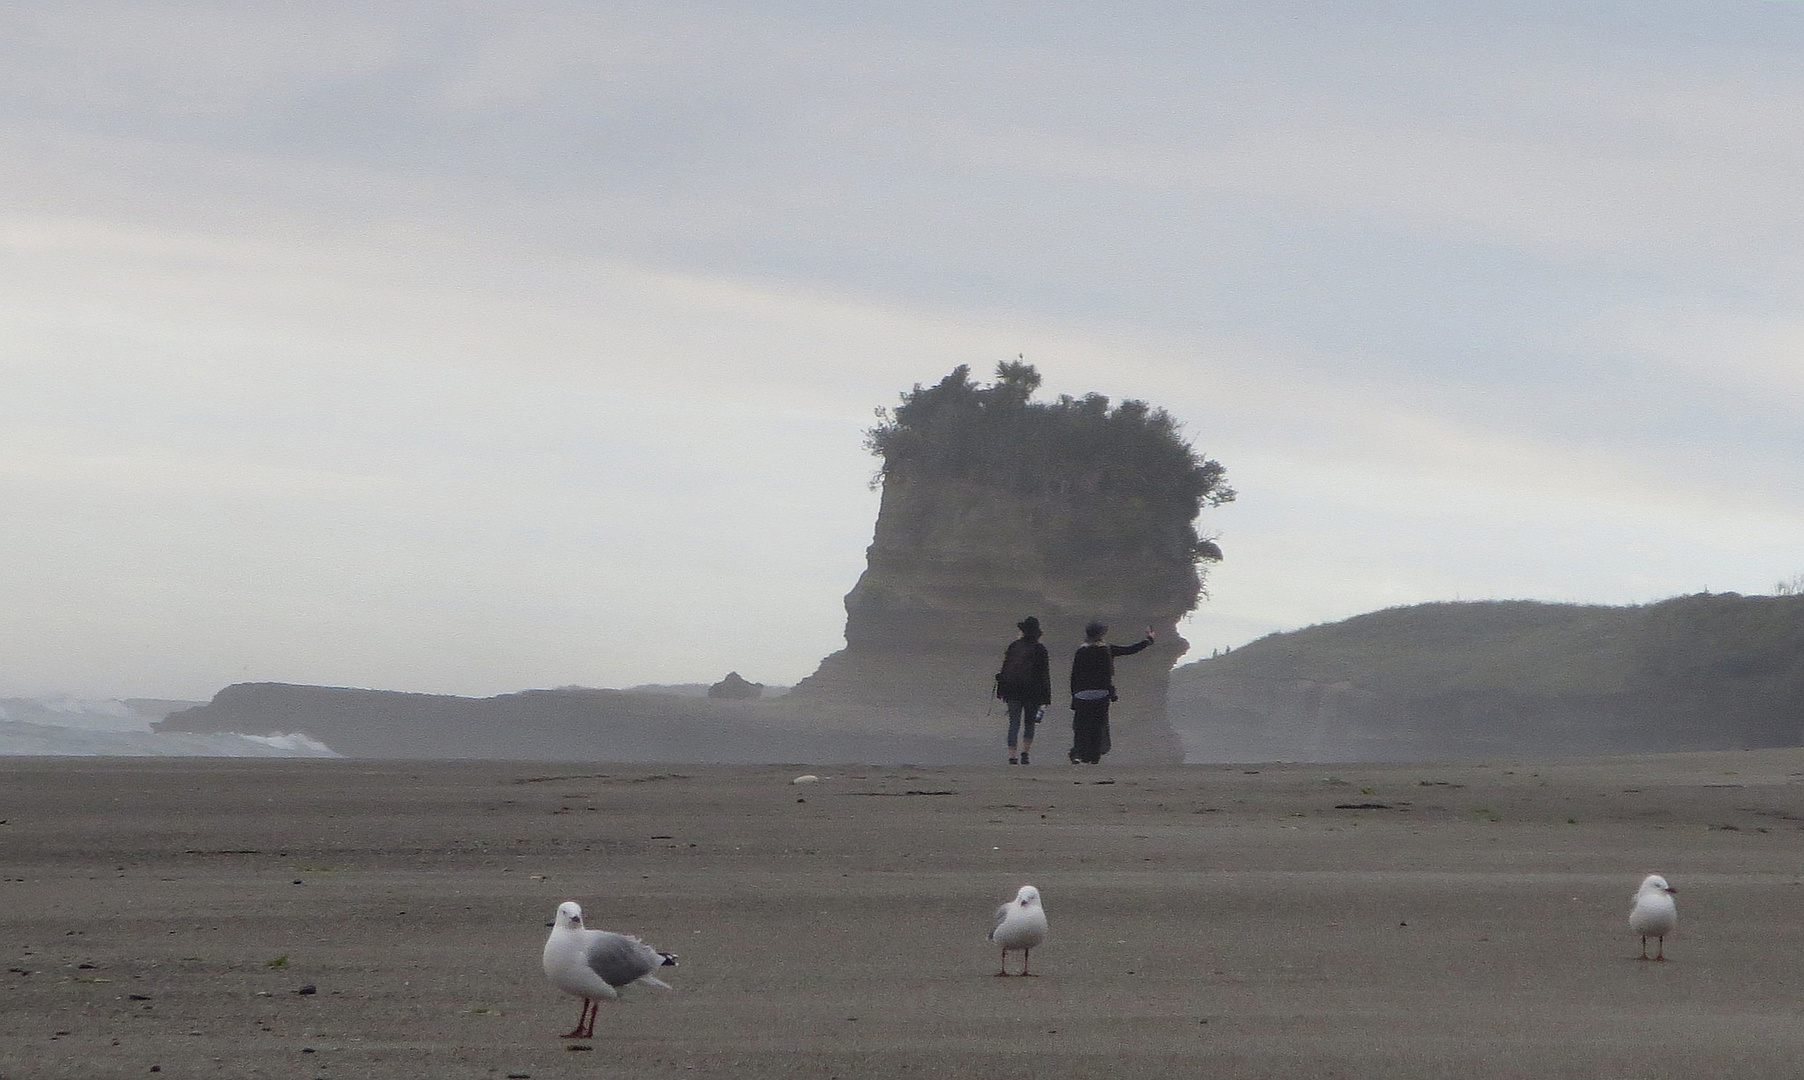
{"x": 996, "y": 507}
{"x": 550, "y": 725}
{"x": 1705, "y": 672}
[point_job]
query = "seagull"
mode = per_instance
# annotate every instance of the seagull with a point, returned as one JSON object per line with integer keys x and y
{"x": 592, "y": 964}
{"x": 1654, "y": 914}
{"x": 1020, "y": 924}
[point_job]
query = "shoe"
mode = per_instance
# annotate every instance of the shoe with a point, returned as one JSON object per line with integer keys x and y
{"x": 1012, "y": 761}
{"x": 1023, "y": 757}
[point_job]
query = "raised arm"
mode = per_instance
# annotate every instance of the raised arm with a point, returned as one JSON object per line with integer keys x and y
{"x": 1129, "y": 650}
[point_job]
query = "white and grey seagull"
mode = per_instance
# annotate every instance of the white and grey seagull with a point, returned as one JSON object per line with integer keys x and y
{"x": 1655, "y": 913}
{"x": 594, "y": 964}
{"x": 1020, "y": 924}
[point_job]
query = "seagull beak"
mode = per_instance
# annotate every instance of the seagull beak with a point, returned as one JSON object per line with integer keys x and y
{"x": 1672, "y": 891}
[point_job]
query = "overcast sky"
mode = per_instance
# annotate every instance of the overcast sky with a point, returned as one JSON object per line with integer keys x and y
{"x": 466, "y": 348}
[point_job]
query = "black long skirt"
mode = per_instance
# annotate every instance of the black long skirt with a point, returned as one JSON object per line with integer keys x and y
{"x": 1090, "y": 730}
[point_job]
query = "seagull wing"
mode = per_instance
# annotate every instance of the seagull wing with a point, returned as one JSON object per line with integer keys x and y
{"x": 1001, "y": 917}
{"x": 620, "y": 958}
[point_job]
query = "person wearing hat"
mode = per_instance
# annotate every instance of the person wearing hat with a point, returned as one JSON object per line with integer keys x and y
{"x": 1025, "y": 685}
{"x": 1092, "y": 688}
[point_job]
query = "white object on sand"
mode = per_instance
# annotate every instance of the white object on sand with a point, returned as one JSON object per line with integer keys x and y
{"x": 806, "y": 778}
{"x": 1655, "y": 913}
{"x": 594, "y": 964}
{"x": 1020, "y": 924}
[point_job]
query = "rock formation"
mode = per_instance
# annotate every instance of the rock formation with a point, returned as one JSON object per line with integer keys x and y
{"x": 996, "y": 507}
{"x": 735, "y": 688}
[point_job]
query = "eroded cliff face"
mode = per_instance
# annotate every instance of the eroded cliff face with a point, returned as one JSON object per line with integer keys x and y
{"x": 996, "y": 507}
{"x": 952, "y": 567}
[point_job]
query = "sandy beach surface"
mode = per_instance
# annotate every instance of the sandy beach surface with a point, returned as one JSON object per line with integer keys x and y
{"x": 162, "y": 917}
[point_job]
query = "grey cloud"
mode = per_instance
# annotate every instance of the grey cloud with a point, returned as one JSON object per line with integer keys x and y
{"x": 1399, "y": 236}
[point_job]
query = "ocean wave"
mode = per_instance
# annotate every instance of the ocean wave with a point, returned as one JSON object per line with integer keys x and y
{"x": 109, "y": 714}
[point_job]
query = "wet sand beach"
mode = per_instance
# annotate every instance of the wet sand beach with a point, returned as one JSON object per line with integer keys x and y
{"x": 1461, "y": 920}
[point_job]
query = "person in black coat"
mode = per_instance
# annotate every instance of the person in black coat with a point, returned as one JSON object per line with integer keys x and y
{"x": 1025, "y": 685}
{"x": 1092, "y": 688}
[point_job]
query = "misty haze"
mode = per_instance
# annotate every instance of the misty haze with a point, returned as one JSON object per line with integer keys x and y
{"x": 1050, "y": 542}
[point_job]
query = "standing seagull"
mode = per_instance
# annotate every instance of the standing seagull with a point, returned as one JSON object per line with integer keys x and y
{"x": 1654, "y": 914}
{"x": 1020, "y": 924}
{"x": 592, "y": 964}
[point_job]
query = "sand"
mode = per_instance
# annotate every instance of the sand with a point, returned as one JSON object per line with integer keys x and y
{"x": 161, "y": 916}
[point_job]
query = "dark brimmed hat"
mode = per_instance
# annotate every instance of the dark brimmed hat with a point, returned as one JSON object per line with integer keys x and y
{"x": 1094, "y": 630}
{"x": 1029, "y": 625}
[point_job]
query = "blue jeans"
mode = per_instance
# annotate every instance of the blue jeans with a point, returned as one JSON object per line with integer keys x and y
{"x": 1020, "y": 712}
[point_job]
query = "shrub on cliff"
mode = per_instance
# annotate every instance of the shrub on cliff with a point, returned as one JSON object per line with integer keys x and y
{"x": 1115, "y": 484}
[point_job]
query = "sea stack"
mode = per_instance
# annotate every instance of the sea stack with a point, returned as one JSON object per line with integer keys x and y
{"x": 995, "y": 507}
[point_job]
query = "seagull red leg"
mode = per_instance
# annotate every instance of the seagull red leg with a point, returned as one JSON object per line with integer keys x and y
{"x": 1662, "y": 955}
{"x": 1004, "y": 972}
{"x": 1026, "y": 958}
{"x": 577, "y": 1031}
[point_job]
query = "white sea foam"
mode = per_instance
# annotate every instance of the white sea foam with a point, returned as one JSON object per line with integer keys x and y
{"x": 297, "y": 744}
{"x": 67, "y": 727}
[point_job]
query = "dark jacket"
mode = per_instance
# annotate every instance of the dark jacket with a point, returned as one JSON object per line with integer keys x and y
{"x": 1036, "y": 689}
{"x": 1093, "y": 668}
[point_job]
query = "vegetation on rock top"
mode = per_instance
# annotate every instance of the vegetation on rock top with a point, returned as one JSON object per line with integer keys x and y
{"x": 1115, "y": 483}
